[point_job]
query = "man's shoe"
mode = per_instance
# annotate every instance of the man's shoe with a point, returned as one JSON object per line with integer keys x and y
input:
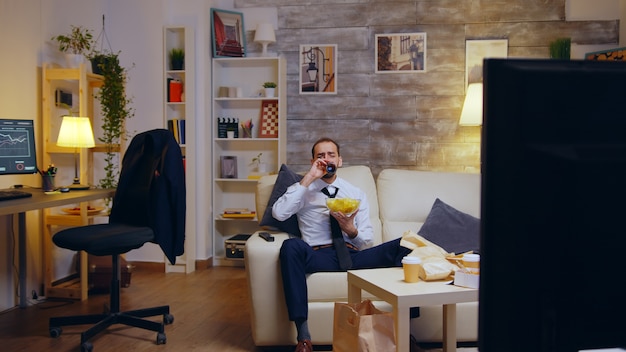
{"x": 304, "y": 346}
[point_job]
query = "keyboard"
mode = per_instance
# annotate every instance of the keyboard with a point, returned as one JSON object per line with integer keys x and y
{"x": 8, "y": 194}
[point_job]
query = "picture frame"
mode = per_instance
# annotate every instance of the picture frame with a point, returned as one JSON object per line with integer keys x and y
{"x": 400, "y": 52}
{"x": 318, "y": 69}
{"x": 228, "y": 166}
{"x": 616, "y": 54}
{"x": 476, "y": 50}
{"x": 228, "y": 33}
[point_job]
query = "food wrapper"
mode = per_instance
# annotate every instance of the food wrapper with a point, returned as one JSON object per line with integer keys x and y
{"x": 434, "y": 264}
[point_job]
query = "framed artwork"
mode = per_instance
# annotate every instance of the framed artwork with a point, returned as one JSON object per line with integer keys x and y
{"x": 227, "y": 33}
{"x": 269, "y": 119}
{"x": 400, "y": 52}
{"x": 617, "y": 54}
{"x": 318, "y": 69}
{"x": 228, "y": 166}
{"x": 478, "y": 50}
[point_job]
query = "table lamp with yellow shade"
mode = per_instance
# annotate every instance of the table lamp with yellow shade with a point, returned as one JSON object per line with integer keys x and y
{"x": 76, "y": 133}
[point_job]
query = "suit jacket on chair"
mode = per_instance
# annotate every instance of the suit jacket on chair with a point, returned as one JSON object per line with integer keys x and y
{"x": 151, "y": 190}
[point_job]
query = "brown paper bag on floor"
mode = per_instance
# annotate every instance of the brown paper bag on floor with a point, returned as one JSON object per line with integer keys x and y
{"x": 361, "y": 327}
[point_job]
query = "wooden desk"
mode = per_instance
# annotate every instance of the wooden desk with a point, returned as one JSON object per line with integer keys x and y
{"x": 40, "y": 200}
{"x": 388, "y": 284}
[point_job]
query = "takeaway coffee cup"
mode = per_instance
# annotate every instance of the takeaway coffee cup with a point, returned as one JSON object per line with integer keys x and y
{"x": 411, "y": 268}
{"x": 471, "y": 262}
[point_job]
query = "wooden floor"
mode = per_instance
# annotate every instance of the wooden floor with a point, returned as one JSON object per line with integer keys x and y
{"x": 210, "y": 309}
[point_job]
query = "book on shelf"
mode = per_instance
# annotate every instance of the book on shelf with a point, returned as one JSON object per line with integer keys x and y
{"x": 175, "y": 91}
{"x": 238, "y": 213}
{"x": 177, "y": 127}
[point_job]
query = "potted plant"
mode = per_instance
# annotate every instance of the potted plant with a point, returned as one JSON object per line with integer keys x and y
{"x": 76, "y": 45}
{"x": 177, "y": 59}
{"x": 260, "y": 166}
{"x": 560, "y": 48}
{"x": 270, "y": 88}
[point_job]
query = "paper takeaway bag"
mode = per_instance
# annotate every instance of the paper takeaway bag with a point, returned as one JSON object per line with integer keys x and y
{"x": 361, "y": 327}
{"x": 434, "y": 266}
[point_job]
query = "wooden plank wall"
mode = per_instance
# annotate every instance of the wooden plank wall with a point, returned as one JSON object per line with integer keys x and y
{"x": 407, "y": 121}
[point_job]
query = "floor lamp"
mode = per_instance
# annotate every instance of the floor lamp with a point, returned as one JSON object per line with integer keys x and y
{"x": 76, "y": 132}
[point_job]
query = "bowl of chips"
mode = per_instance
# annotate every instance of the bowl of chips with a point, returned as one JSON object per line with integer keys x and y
{"x": 344, "y": 205}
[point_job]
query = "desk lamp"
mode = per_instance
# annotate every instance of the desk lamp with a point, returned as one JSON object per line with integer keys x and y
{"x": 264, "y": 34}
{"x": 76, "y": 132}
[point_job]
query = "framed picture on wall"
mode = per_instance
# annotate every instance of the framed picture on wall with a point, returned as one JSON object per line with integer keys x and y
{"x": 478, "y": 50}
{"x": 400, "y": 53}
{"x": 228, "y": 166}
{"x": 617, "y": 54}
{"x": 318, "y": 69}
{"x": 227, "y": 33}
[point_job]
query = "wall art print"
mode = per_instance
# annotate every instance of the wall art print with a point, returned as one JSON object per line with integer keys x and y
{"x": 478, "y": 50}
{"x": 400, "y": 53}
{"x": 227, "y": 33}
{"x": 318, "y": 69}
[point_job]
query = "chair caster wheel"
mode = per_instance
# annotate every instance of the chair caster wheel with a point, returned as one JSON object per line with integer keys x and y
{"x": 55, "y": 332}
{"x": 161, "y": 339}
{"x": 168, "y": 319}
{"x": 86, "y": 347}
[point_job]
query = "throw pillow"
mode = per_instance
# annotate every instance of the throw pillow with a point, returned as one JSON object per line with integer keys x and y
{"x": 285, "y": 178}
{"x": 451, "y": 229}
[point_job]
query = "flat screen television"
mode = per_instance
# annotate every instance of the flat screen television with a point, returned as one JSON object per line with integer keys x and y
{"x": 17, "y": 147}
{"x": 553, "y": 206}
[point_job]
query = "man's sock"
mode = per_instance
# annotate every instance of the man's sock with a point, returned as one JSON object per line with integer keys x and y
{"x": 302, "y": 326}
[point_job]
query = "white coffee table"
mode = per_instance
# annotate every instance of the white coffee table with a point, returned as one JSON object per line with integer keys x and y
{"x": 388, "y": 284}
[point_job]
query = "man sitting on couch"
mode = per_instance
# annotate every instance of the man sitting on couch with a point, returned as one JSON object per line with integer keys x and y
{"x": 321, "y": 247}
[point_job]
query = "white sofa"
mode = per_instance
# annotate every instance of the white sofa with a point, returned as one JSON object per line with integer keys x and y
{"x": 400, "y": 200}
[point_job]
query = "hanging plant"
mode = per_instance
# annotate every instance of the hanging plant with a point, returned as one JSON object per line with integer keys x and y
{"x": 116, "y": 109}
{"x": 115, "y": 105}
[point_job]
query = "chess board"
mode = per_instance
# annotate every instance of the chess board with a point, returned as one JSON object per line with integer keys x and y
{"x": 269, "y": 119}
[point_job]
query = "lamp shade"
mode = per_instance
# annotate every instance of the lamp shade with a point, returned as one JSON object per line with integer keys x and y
{"x": 264, "y": 33}
{"x": 472, "y": 113}
{"x": 76, "y": 132}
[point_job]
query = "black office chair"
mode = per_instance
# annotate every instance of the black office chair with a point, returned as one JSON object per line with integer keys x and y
{"x": 148, "y": 206}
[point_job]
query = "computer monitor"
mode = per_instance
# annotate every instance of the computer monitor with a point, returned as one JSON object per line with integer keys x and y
{"x": 17, "y": 147}
{"x": 553, "y": 206}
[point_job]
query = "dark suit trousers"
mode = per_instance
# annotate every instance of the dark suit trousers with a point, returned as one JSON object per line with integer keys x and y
{"x": 297, "y": 259}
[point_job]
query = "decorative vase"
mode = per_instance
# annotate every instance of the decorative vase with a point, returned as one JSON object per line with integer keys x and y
{"x": 262, "y": 167}
{"x": 74, "y": 60}
{"x": 178, "y": 64}
{"x": 269, "y": 92}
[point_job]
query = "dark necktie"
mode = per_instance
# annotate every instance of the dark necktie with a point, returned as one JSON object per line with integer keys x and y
{"x": 343, "y": 256}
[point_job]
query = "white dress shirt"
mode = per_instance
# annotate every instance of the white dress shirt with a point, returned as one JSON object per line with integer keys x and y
{"x": 313, "y": 215}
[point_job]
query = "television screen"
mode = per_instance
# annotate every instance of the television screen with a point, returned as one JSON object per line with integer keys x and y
{"x": 553, "y": 206}
{"x": 17, "y": 147}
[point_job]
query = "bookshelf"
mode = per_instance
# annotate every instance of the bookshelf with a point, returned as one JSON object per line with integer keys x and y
{"x": 237, "y": 93}
{"x": 179, "y": 117}
{"x": 80, "y": 83}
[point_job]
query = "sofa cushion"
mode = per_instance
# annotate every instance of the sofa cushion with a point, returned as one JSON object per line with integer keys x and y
{"x": 285, "y": 178}
{"x": 451, "y": 229}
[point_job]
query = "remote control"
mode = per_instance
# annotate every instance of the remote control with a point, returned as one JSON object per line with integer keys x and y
{"x": 266, "y": 236}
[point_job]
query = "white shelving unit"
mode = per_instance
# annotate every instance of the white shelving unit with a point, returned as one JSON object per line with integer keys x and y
{"x": 243, "y": 78}
{"x": 182, "y": 38}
